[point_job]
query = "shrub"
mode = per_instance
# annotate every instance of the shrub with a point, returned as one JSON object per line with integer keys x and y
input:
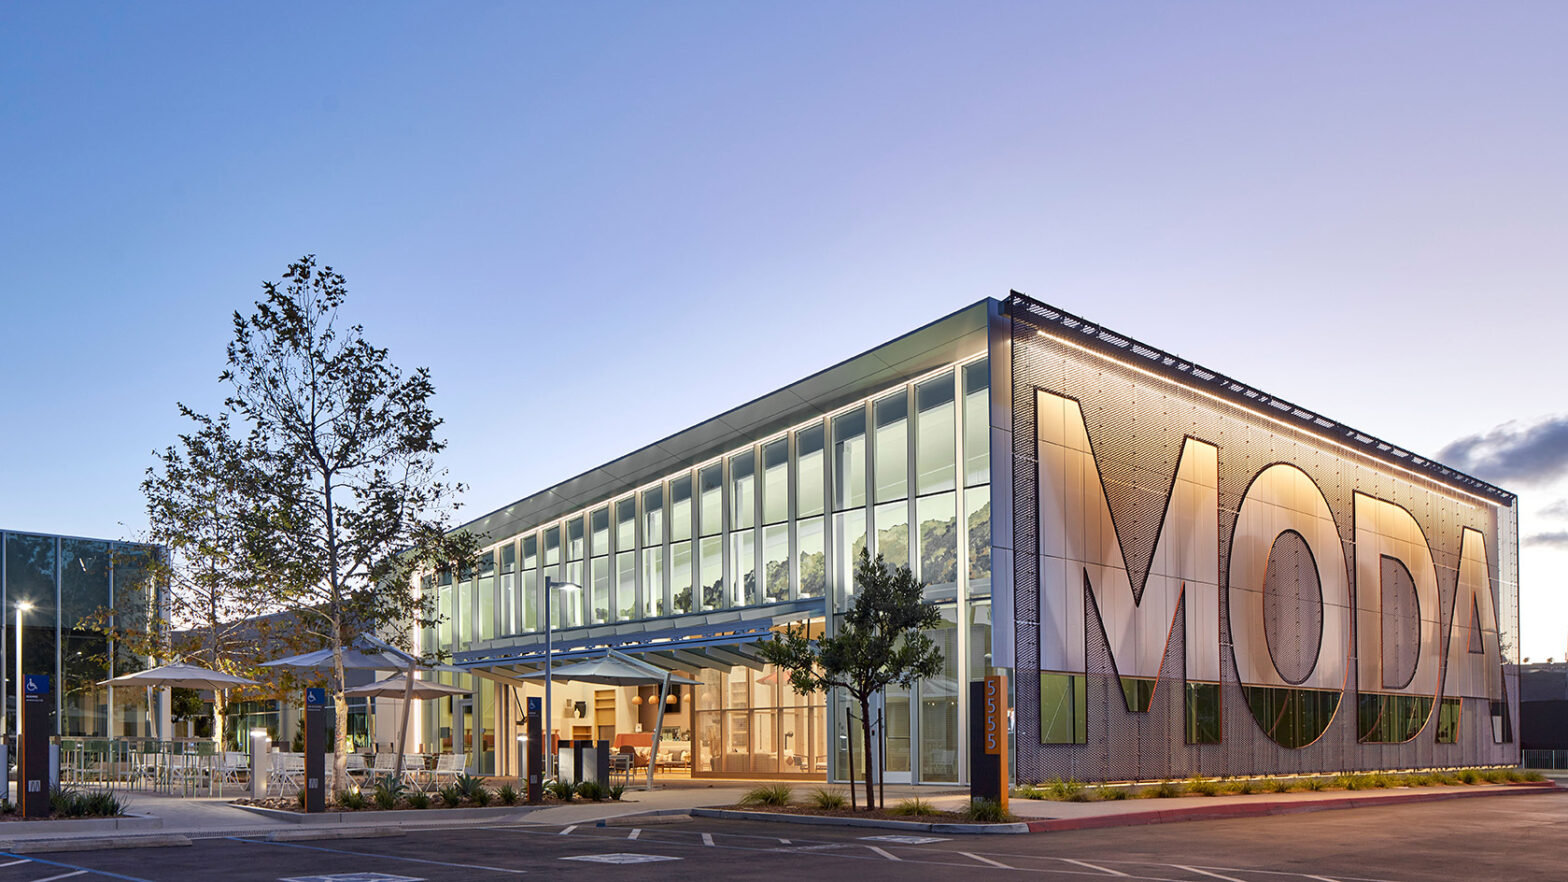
{"x": 1164, "y": 790}
{"x": 1379, "y": 780}
{"x": 1202, "y": 786}
{"x": 507, "y": 794}
{"x": 561, "y": 790}
{"x": 388, "y": 791}
{"x": 469, "y": 785}
{"x": 617, "y": 791}
{"x": 823, "y": 798}
{"x": 1515, "y": 776}
{"x": 1316, "y": 784}
{"x": 482, "y": 796}
{"x": 1496, "y": 776}
{"x": 7, "y": 807}
{"x": 451, "y": 795}
{"x": 351, "y": 799}
{"x": 772, "y": 795}
{"x": 1107, "y": 792}
{"x": 1532, "y": 776}
{"x": 1244, "y": 786}
{"x": 1469, "y": 776}
{"x": 418, "y": 799}
{"x": 987, "y": 811}
{"x": 1066, "y": 791}
{"x": 917, "y": 807}
{"x": 1028, "y": 791}
{"x": 1278, "y": 785}
{"x": 300, "y": 797}
{"x": 592, "y": 790}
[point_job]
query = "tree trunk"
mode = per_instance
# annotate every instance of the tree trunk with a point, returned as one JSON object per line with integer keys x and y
{"x": 865, "y": 739}
{"x": 340, "y": 723}
{"x": 220, "y": 703}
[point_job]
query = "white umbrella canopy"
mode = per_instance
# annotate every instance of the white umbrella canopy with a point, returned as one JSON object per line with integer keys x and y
{"x": 397, "y": 687}
{"x": 180, "y": 675}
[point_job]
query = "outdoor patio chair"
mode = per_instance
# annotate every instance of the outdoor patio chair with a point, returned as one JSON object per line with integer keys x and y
{"x": 621, "y": 768}
{"x": 354, "y": 765}
{"x": 415, "y": 771}
{"x": 288, "y": 769}
{"x": 234, "y": 765}
{"x": 448, "y": 766}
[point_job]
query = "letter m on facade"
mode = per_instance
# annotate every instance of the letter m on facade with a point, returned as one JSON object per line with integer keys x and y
{"x": 1083, "y": 555}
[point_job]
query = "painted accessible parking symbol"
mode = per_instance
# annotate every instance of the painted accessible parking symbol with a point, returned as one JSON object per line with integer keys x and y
{"x": 353, "y": 877}
{"x": 621, "y": 858}
{"x": 905, "y": 840}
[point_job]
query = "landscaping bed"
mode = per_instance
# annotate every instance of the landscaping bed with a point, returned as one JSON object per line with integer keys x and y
{"x": 1074, "y": 791}
{"x": 467, "y": 792}
{"x": 827, "y": 802}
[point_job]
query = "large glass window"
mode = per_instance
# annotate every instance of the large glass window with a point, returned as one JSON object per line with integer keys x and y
{"x": 680, "y": 576}
{"x": 626, "y": 585}
{"x": 808, "y": 471}
{"x": 463, "y": 608}
{"x": 711, "y": 572}
{"x": 849, "y": 538}
{"x": 484, "y": 586}
{"x": 710, "y": 484}
{"x": 752, "y": 723}
{"x": 653, "y": 552}
{"x": 977, "y": 433}
{"x": 574, "y": 539}
{"x": 552, "y": 553}
{"x": 599, "y": 532}
{"x": 743, "y": 491}
{"x": 935, "y": 463}
{"x": 939, "y": 706}
{"x": 813, "y": 561}
{"x": 743, "y": 568}
{"x": 530, "y": 583}
{"x": 775, "y": 482}
{"x": 892, "y": 462}
{"x": 849, "y": 459}
{"x": 506, "y": 588}
{"x": 626, "y": 524}
{"x": 444, "y": 609}
{"x": 977, "y": 517}
{"x": 775, "y": 562}
{"x": 84, "y": 655}
{"x": 892, "y": 524}
{"x": 599, "y": 589}
{"x": 680, "y": 508}
{"x": 938, "y": 521}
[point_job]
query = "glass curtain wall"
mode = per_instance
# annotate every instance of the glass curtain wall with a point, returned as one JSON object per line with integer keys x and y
{"x": 906, "y": 472}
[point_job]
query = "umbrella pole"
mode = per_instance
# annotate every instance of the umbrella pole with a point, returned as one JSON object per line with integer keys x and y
{"x": 658, "y": 729}
{"x": 402, "y": 729}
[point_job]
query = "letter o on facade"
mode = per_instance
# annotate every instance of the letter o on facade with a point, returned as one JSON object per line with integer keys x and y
{"x": 1282, "y": 497}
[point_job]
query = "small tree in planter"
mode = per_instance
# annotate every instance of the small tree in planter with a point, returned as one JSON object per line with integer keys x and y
{"x": 881, "y": 640}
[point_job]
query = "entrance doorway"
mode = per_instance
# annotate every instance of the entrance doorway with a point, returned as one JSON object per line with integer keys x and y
{"x": 463, "y": 730}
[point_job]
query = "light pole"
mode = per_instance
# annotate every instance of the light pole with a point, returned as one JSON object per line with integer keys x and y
{"x": 22, "y": 606}
{"x": 549, "y": 649}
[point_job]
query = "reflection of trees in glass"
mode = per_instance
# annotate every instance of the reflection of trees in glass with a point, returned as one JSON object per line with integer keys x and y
{"x": 813, "y": 574}
{"x": 713, "y": 595}
{"x": 980, "y": 542}
{"x": 777, "y": 579}
{"x": 939, "y": 551}
{"x": 892, "y": 543}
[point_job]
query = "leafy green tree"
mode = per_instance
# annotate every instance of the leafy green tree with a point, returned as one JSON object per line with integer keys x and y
{"x": 348, "y": 500}
{"x": 881, "y": 640}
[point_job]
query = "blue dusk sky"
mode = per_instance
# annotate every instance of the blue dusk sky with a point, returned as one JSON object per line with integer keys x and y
{"x": 601, "y": 223}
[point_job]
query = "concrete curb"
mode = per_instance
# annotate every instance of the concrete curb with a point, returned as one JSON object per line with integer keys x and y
{"x": 1272, "y": 807}
{"x": 656, "y": 816}
{"x": 93, "y": 843}
{"x": 376, "y": 817}
{"x": 312, "y": 834}
{"x": 11, "y": 829}
{"x": 835, "y": 821}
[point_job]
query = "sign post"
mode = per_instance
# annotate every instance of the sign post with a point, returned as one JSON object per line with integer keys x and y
{"x": 536, "y": 748}
{"x": 988, "y": 774}
{"x": 315, "y": 754}
{"x": 33, "y": 761}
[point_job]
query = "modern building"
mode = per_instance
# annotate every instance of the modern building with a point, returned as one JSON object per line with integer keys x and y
{"x": 1180, "y": 574}
{"x": 62, "y": 585}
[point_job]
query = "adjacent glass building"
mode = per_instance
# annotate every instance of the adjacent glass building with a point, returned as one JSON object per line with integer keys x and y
{"x": 65, "y": 585}
{"x": 1088, "y": 515}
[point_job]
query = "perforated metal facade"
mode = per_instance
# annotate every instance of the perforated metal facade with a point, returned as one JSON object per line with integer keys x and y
{"x": 1161, "y": 433}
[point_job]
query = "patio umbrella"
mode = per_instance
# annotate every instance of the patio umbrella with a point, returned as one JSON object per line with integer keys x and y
{"x": 399, "y": 687}
{"x": 619, "y": 669}
{"x": 369, "y": 653}
{"x": 181, "y": 675}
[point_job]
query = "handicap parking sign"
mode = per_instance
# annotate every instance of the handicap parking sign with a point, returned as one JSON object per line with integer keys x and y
{"x": 35, "y": 684}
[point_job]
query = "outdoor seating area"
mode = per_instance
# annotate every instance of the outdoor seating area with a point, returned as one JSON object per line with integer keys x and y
{"x": 196, "y": 767}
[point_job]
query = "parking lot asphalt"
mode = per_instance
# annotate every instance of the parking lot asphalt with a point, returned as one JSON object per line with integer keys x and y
{"x": 1483, "y": 839}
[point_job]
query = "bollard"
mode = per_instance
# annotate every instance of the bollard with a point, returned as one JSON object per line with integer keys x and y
{"x": 260, "y": 763}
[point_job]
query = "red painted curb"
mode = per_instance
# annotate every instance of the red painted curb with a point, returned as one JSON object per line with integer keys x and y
{"x": 1274, "y": 807}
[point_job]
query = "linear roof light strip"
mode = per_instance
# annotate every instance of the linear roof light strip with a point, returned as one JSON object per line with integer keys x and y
{"x": 1096, "y": 340}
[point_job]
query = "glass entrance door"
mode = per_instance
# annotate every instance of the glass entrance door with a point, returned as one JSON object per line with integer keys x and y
{"x": 463, "y": 730}
{"x": 897, "y": 734}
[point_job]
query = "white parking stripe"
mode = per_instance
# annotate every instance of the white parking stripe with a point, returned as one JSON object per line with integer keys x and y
{"x": 636, "y": 832}
{"x": 14, "y": 863}
{"x": 61, "y": 876}
{"x": 569, "y": 829}
{"x": 885, "y": 853}
{"x": 1106, "y": 870}
{"x": 707, "y": 839}
{"x": 986, "y": 860}
{"x": 1207, "y": 873}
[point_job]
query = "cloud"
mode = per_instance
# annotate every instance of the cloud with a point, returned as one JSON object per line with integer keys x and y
{"x": 1511, "y": 452}
{"x": 1557, "y": 510}
{"x": 1553, "y": 539}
